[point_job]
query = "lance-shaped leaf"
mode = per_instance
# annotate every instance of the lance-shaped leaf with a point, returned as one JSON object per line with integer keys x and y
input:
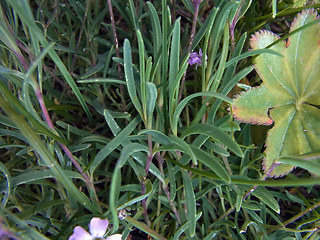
{"x": 289, "y": 94}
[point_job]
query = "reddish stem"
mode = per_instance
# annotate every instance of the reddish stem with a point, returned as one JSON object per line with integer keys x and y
{"x": 50, "y": 124}
{"x": 196, "y": 4}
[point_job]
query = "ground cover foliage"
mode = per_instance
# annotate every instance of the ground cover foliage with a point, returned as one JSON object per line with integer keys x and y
{"x": 122, "y": 127}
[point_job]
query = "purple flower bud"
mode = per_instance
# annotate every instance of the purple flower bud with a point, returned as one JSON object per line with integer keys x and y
{"x": 196, "y": 58}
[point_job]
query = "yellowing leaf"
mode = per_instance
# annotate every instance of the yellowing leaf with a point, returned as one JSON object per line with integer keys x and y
{"x": 289, "y": 94}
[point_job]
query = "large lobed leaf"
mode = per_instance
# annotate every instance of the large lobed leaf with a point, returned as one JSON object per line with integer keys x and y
{"x": 289, "y": 94}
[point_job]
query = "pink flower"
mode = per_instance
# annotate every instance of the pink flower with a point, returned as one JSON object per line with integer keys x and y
{"x": 97, "y": 229}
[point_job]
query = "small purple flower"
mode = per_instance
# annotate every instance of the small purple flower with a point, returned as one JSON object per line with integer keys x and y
{"x": 97, "y": 229}
{"x": 195, "y": 58}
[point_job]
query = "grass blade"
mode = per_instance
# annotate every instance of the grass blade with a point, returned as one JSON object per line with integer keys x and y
{"x": 215, "y": 133}
{"x": 143, "y": 227}
{"x": 266, "y": 196}
{"x": 8, "y": 185}
{"x": 132, "y": 201}
{"x": 129, "y": 76}
{"x": 191, "y": 202}
{"x": 212, "y": 162}
{"x": 185, "y": 101}
{"x": 174, "y": 67}
{"x": 114, "y": 143}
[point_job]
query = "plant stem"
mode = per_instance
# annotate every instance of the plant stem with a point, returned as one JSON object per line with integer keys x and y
{"x": 166, "y": 188}
{"x": 143, "y": 187}
{"x": 262, "y": 179}
{"x": 296, "y": 217}
{"x": 230, "y": 210}
{"x": 150, "y": 155}
{"x": 65, "y": 149}
{"x": 196, "y": 4}
{"x": 116, "y": 43}
{"x": 233, "y": 25}
{"x": 144, "y": 203}
{"x": 80, "y": 35}
{"x": 115, "y": 38}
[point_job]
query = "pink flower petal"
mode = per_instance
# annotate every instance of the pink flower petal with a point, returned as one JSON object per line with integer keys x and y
{"x": 80, "y": 234}
{"x": 98, "y": 227}
{"x": 114, "y": 237}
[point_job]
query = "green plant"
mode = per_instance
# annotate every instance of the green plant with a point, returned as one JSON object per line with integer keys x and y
{"x": 289, "y": 94}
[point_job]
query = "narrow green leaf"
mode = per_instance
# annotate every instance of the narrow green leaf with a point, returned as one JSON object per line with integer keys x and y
{"x": 229, "y": 86}
{"x": 274, "y": 8}
{"x": 144, "y": 228}
{"x": 252, "y": 53}
{"x": 240, "y": 11}
{"x": 215, "y": 133}
{"x": 133, "y": 15}
{"x": 205, "y": 27}
{"x": 151, "y": 91}
{"x": 115, "y": 129}
{"x": 121, "y": 139}
{"x": 176, "y": 83}
{"x": 215, "y": 80}
{"x": 114, "y": 143}
{"x": 239, "y": 200}
{"x": 102, "y": 59}
{"x": 217, "y": 149}
{"x": 102, "y": 80}
{"x": 174, "y": 66}
{"x": 254, "y": 216}
{"x": 216, "y": 35}
{"x": 38, "y": 61}
{"x": 246, "y": 225}
{"x": 184, "y": 227}
{"x": 211, "y": 235}
{"x": 172, "y": 181}
{"x": 130, "y": 149}
{"x": 309, "y": 161}
{"x": 166, "y": 23}
{"x": 156, "y": 28}
{"x": 129, "y": 76}
{"x": 157, "y": 136}
{"x": 265, "y": 196}
{"x": 191, "y": 202}
{"x": 142, "y": 70}
{"x": 236, "y": 179}
{"x": 185, "y": 146}
{"x": 184, "y": 102}
{"x": 114, "y": 196}
{"x": 294, "y": 198}
{"x": 212, "y": 162}
{"x": 8, "y": 185}
{"x": 231, "y": 69}
{"x": 32, "y": 176}
{"x": 132, "y": 201}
